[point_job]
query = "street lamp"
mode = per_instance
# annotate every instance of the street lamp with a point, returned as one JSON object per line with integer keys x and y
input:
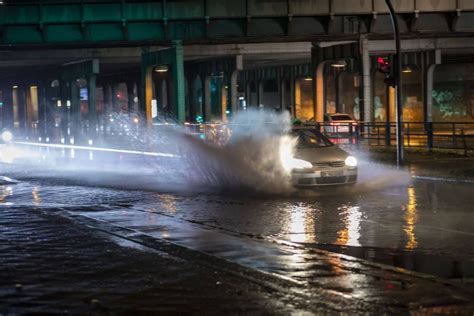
{"x": 398, "y": 82}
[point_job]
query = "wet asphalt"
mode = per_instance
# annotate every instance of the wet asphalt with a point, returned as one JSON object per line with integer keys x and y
{"x": 419, "y": 218}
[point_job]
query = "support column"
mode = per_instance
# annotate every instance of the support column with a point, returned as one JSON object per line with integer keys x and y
{"x": 428, "y": 93}
{"x": 207, "y": 99}
{"x": 366, "y": 81}
{"x": 337, "y": 91}
{"x": 49, "y": 110}
{"x": 193, "y": 104}
{"x": 75, "y": 111}
{"x": 224, "y": 99}
{"x": 64, "y": 110}
{"x": 7, "y": 109}
{"x": 21, "y": 103}
{"x": 42, "y": 108}
{"x": 427, "y": 84}
{"x": 92, "y": 104}
{"x": 178, "y": 82}
{"x": 320, "y": 92}
{"x": 234, "y": 102}
{"x": 298, "y": 98}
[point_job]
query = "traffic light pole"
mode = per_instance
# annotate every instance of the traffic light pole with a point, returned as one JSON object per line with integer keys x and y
{"x": 398, "y": 82}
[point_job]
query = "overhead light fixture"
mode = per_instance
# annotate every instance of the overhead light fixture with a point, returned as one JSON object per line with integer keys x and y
{"x": 15, "y": 87}
{"x": 161, "y": 68}
{"x": 407, "y": 69}
{"x": 308, "y": 78}
{"x": 339, "y": 64}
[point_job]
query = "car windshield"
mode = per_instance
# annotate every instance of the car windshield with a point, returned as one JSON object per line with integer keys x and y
{"x": 341, "y": 117}
{"x": 311, "y": 139}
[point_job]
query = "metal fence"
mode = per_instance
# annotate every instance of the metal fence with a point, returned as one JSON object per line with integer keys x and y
{"x": 446, "y": 135}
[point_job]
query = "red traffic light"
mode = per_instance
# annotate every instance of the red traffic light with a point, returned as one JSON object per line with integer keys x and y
{"x": 385, "y": 66}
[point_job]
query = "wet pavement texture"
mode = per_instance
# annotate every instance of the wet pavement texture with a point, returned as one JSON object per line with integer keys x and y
{"x": 51, "y": 266}
{"x": 275, "y": 246}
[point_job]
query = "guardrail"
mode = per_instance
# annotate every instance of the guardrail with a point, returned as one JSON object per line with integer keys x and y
{"x": 446, "y": 135}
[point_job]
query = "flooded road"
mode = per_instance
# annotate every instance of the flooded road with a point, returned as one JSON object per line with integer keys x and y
{"x": 422, "y": 224}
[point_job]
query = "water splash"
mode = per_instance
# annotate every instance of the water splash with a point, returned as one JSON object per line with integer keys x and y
{"x": 244, "y": 156}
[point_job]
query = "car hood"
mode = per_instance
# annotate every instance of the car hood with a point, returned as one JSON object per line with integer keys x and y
{"x": 321, "y": 155}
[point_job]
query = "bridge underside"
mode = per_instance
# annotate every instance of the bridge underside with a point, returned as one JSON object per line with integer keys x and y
{"x": 197, "y": 60}
{"x": 127, "y": 22}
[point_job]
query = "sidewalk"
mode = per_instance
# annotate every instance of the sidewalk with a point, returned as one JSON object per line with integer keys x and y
{"x": 50, "y": 266}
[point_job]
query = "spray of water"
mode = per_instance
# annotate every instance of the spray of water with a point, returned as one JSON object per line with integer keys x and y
{"x": 251, "y": 158}
{"x": 245, "y": 154}
{"x": 251, "y": 153}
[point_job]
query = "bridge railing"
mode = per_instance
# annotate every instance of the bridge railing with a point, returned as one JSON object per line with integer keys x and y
{"x": 447, "y": 135}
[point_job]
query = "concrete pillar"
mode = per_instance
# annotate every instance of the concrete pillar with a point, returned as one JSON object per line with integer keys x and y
{"x": 92, "y": 104}
{"x": 320, "y": 93}
{"x": 338, "y": 89}
{"x": 64, "y": 109}
{"x": 224, "y": 99}
{"x": 207, "y": 99}
{"x": 178, "y": 82}
{"x": 42, "y": 109}
{"x": 75, "y": 110}
{"x": 298, "y": 98}
{"x": 391, "y": 102}
{"x": 428, "y": 77}
{"x": 234, "y": 101}
{"x": 7, "y": 108}
{"x": 21, "y": 103}
{"x": 187, "y": 101}
{"x": 366, "y": 81}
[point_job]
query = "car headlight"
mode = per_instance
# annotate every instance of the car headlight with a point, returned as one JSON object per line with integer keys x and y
{"x": 7, "y": 136}
{"x": 351, "y": 161}
{"x": 300, "y": 164}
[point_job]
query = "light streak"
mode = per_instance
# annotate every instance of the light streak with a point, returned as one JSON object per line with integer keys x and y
{"x": 123, "y": 151}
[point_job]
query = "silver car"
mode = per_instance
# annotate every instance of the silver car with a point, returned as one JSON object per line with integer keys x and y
{"x": 320, "y": 162}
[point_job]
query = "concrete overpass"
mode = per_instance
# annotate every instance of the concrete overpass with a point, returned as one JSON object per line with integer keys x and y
{"x": 217, "y": 54}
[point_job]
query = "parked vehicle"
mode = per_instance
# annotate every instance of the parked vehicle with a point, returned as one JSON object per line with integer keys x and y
{"x": 339, "y": 123}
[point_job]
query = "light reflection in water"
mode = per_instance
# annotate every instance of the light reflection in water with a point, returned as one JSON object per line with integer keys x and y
{"x": 168, "y": 202}
{"x": 301, "y": 224}
{"x": 411, "y": 217}
{"x": 349, "y": 235}
{"x": 36, "y": 196}
{"x": 5, "y": 192}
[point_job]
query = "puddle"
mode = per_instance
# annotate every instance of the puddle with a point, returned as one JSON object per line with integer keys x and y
{"x": 437, "y": 265}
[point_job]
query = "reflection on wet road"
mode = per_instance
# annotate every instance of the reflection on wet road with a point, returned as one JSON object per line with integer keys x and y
{"x": 424, "y": 219}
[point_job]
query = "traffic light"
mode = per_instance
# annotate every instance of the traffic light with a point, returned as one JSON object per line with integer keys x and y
{"x": 387, "y": 67}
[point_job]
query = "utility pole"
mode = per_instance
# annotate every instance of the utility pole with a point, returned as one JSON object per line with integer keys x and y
{"x": 398, "y": 82}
